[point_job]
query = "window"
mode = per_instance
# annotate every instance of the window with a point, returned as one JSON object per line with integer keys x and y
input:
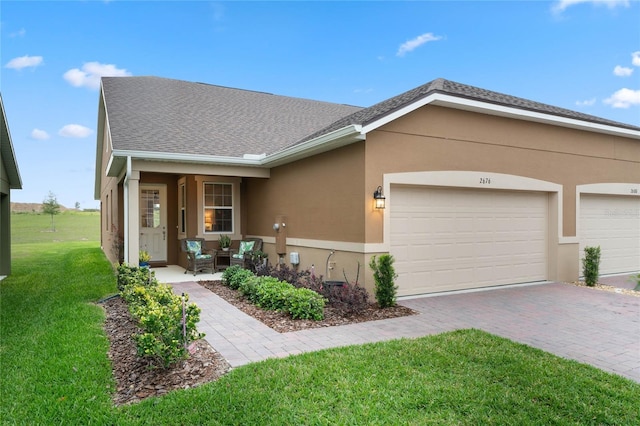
{"x": 150, "y": 208}
{"x": 218, "y": 207}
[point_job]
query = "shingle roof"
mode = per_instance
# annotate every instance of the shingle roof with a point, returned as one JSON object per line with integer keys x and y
{"x": 368, "y": 115}
{"x": 173, "y": 116}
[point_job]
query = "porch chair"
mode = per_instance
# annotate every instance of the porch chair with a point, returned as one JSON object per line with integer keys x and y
{"x": 198, "y": 256}
{"x": 243, "y": 256}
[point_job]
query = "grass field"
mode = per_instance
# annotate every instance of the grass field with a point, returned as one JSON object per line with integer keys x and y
{"x": 70, "y": 225}
{"x": 55, "y": 369}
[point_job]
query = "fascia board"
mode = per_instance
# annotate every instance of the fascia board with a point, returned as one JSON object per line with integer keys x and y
{"x": 503, "y": 111}
{"x": 187, "y": 158}
{"x": 338, "y": 138}
{"x": 8, "y": 153}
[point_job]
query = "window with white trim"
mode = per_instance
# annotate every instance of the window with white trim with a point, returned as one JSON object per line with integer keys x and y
{"x": 218, "y": 207}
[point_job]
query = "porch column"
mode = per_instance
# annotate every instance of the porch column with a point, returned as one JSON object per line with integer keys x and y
{"x": 132, "y": 218}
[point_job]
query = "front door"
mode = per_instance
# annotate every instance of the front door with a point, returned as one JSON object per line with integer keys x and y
{"x": 153, "y": 221}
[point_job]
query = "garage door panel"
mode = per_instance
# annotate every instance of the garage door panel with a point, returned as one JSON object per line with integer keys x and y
{"x": 464, "y": 238}
{"x": 613, "y": 223}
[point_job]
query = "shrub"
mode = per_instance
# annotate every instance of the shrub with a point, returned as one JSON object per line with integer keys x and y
{"x": 285, "y": 273}
{"x": 159, "y": 312}
{"x": 303, "y": 303}
{"x": 249, "y": 288}
{"x": 348, "y": 299}
{"x": 383, "y": 275}
{"x": 235, "y": 275}
{"x": 272, "y": 294}
{"x": 127, "y": 275}
{"x": 591, "y": 265}
{"x": 636, "y": 278}
{"x": 164, "y": 340}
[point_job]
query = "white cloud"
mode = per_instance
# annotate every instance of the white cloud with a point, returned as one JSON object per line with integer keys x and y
{"x": 588, "y": 102}
{"x": 24, "y": 62}
{"x": 90, "y": 74}
{"x": 75, "y": 131}
{"x": 410, "y": 45}
{"x": 622, "y": 71}
{"x": 40, "y": 135}
{"x": 624, "y": 98}
{"x": 20, "y": 33}
{"x": 635, "y": 58}
{"x": 562, "y": 5}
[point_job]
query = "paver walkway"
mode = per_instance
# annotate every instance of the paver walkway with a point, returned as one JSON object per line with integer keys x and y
{"x": 590, "y": 326}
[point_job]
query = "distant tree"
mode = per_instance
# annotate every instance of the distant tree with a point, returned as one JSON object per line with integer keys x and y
{"x": 77, "y": 205}
{"x": 51, "y": 207}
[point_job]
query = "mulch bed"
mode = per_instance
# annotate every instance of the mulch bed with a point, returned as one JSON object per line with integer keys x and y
{"x": 282, "y": 323}
{"x": 604, "y": 287}
{"x": 136, "y": 379}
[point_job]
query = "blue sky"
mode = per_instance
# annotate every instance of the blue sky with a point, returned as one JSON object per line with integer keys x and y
{"x": 578, "y": 54}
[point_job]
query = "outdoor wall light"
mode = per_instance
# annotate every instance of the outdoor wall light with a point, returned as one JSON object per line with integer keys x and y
{"x": 379, "y": 198}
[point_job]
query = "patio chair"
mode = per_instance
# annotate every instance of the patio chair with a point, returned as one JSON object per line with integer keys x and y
{"x": 243, "y": 256}
{"x": 198, "y": 256}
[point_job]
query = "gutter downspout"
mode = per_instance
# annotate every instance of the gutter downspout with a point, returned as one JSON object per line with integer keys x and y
{"x": 126, "y": 209}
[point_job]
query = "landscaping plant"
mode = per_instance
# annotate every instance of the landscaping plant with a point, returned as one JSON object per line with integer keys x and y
{"x": 347, "y": 299}
{"x": 167, "y": 320}
{"x": 383, "y": 275}
{"x": 591, "y": 265}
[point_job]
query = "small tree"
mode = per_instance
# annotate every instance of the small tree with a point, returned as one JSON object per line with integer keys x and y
{"x": 77, "y": 205}
{"x": 51, "y": 207}
{"x": 591, "y": 265}
{"x": 383, "y": 275}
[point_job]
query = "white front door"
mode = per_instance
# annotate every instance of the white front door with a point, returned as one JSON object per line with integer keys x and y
{"x": 153, "y": 221}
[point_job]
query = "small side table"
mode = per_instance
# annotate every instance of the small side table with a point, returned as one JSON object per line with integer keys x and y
{"x": 223, "y": 260}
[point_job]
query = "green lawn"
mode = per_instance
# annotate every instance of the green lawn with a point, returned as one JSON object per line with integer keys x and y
{"x": 54, "y": 369}
{"x": 70, "y": 225}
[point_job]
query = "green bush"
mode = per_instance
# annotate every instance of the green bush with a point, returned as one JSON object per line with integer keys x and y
{"x": 133, "y": 275}
{"x": 636, "y": 278}
{"x": 249, "y": 288}
{"x": 591, "y": 265}
{"x": 159, "y": 312}
{"x": 272, "y": 294}
{"x": 235, "y": 275}
{"x": 303, "y": 303}
{"x": 383, "y": 275}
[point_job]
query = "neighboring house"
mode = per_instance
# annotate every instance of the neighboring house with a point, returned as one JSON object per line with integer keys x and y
{"x": 481, "y": 188}
{"x": 9, "y": 179}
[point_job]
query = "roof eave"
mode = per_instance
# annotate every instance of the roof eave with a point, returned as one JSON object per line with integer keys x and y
{"x": 335, "y": 139}
{"x": 8, "y": 153}
{"x": 451, "y": 101}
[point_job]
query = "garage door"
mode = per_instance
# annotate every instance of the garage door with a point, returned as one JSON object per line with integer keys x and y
{"x": 453, "y": 239}
{"x": 613, "y": 223}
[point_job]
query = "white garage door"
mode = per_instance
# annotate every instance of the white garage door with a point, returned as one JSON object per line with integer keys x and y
{"x": 613, "y": 223}
{"x": 452, "y": 239}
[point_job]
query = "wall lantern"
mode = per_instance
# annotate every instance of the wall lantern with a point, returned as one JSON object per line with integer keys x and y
{"x": 379, "y": 198}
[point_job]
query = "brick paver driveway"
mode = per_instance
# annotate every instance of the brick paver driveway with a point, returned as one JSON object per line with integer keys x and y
{"x": 591, "y": 326}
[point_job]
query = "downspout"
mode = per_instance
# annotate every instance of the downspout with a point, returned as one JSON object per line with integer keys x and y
{"x": 126, "y": 209}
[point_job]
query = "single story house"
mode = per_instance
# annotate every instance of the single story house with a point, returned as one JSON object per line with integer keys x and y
{"x": 480, "y": 188}
{"x": 9, "y": 179}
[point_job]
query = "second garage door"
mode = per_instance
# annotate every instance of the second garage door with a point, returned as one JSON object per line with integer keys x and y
{"x": 453, "y": 239}
{"x": 613, "y": 223}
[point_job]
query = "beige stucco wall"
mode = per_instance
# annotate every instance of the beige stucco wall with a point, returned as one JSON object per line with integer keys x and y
{"x": 437, "y": 138}
{"x": 430, "y": 139}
